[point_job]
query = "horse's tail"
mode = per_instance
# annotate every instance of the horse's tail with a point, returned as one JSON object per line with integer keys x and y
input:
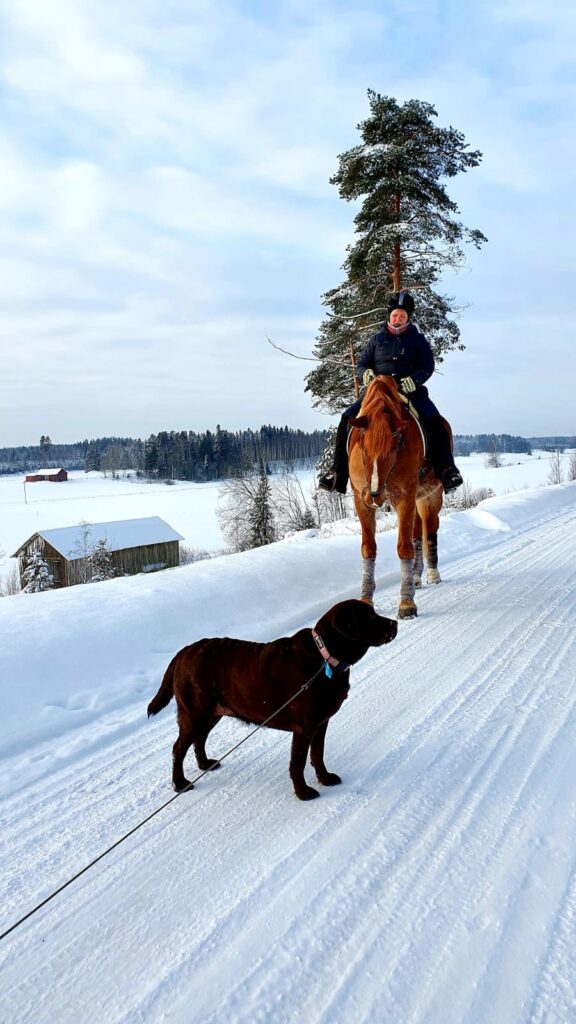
{"x": 166, "y": 691}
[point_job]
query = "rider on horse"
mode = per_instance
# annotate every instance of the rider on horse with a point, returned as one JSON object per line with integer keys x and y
{"x": 401, "y": 352}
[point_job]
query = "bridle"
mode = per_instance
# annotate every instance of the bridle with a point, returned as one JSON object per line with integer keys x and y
{"x": 372, "y": 479}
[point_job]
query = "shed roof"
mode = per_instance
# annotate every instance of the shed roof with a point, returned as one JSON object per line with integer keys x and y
{"x": 47, "y": 472}
{"x": 124, "y": 533}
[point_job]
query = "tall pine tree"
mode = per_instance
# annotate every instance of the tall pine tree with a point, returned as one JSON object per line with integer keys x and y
{"x": 261, "y": 514}
{"x": 407, "y": 235}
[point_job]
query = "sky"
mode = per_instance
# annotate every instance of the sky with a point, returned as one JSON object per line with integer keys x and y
{"x": 165, "y": 205}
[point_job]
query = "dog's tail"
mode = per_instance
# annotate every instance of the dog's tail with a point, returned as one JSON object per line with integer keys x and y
{"x": 166, "y": 691}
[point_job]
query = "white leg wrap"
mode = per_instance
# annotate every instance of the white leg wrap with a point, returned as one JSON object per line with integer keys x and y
{"x": 418, "y": 558}
{"x": 407, "y": 579}
{"x": 432, "y": 574}
{"x": 432, "y": 551}
{"x": 368, "y": 583}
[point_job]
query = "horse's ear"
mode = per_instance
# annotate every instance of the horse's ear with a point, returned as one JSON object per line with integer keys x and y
{"x": 359, "y": 421}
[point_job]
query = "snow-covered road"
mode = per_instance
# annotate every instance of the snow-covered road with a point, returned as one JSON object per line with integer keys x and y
{"x": 437, "y": 885}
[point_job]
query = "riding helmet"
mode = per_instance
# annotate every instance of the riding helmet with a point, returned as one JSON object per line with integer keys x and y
{"x": 401, "y": 300}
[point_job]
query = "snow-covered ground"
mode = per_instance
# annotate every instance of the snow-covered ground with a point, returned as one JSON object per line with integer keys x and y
{"x": 437, "y": 885}
{"x": 189, "y": 508}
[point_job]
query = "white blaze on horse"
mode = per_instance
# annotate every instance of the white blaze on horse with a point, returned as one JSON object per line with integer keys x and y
{"x": 386, "y": 463}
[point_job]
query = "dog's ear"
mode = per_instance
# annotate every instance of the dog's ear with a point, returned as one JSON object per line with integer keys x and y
{"x": 350, "y": 617}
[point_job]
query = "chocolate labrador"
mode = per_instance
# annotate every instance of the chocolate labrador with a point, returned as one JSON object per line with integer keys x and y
{"x": 251, "y": 681}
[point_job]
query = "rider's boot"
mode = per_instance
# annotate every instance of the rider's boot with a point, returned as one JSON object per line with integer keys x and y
{"x": 336, "y": 479}
{"x": 441, "y": 454}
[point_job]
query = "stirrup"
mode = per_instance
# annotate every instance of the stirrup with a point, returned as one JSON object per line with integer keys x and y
{"x": 451, "y": 479}
{"x": 328, "y": 482}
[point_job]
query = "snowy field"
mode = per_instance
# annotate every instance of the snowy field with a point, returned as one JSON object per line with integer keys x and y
{"x": 436, "y": 885}
{"x": 189, "y": 508}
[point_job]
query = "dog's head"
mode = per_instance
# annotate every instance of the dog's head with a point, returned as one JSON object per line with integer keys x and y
{"x": 351, "y": 627}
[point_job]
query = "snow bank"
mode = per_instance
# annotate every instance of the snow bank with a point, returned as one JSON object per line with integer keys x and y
{"x": 68, "y": 655}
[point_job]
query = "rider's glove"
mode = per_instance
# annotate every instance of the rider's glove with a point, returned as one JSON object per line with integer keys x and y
{"x": 367, "y": 376}
{"x": 407, "y": 385}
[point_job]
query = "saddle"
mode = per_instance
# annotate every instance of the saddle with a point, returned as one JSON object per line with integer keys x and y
{"x": 423, "y": 433}
{"x": 411, "y": 411}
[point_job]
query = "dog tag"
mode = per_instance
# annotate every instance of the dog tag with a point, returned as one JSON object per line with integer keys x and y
{"x": 328, "y": 670}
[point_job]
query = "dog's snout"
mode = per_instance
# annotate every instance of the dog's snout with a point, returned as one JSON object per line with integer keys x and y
{"x": 386, "y": 631}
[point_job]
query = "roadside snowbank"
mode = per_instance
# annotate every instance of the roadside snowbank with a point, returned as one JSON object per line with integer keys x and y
{"x": 67, "y": 656}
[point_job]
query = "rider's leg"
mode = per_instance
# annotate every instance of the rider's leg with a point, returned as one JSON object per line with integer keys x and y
{"x": 441, "y": 453}
{"x": 439, "y": 437}
{"x": 337, "y": 478}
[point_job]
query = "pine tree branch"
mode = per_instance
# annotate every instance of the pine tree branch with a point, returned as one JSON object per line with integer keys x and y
{"x": 310, "y": 359}
{"x": 368, "y": 312}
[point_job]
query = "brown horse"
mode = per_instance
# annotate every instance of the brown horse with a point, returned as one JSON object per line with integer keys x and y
{"x": 386, "y": 462}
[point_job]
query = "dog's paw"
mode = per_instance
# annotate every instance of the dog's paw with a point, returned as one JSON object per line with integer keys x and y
{"x": 329, "y": 779}
{"x": 181, "y": 787}
{"x": 307, "y": 793}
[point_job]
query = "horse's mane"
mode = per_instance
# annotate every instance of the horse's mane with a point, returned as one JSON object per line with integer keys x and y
{"x": 382, "y": 408}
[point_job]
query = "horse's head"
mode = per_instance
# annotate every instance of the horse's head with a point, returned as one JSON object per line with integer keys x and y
{"x": 381, "y": 424}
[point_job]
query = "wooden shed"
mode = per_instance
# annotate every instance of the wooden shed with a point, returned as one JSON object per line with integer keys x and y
{"x": 136, "y": 545}
{"x": 54, "y": 476}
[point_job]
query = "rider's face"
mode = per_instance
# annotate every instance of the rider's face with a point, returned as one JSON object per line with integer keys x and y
{"x": 398, "y": 317}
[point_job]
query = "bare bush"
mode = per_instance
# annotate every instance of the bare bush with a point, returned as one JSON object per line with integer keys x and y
{"x": 555, "y": 472}
{"x": 467, "y": 497}
{"x": 189, "y": 555}
{"x": 332, "y": 506}
{"x": 11, "y": 583}
{"x": 493, "y": 460}
{"x": 291, "y": 509}
{"x": 571, "y": 468}
{"x": 245, "y": 512}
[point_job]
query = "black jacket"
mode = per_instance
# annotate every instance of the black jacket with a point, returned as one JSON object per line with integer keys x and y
{"x": 398, "y": 355}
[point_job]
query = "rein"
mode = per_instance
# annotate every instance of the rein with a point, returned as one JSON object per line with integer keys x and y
{"x": 397, "y": 435}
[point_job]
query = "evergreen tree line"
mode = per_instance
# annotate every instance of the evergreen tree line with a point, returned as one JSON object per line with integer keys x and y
{"x": 187, "y": 455}
{"x": 557, "y": 443}
{"x": 180, "y": 455}
{"x": 465, "y": 444}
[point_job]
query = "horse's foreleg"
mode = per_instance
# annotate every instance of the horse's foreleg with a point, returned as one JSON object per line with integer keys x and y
{"x": 418, "y": 553}
{"x": 367, "y": 580}
{"x": 367, "y": 517}
{"x": 406, "y": 511}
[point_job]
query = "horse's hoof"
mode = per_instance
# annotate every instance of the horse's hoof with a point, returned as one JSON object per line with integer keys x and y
{"x": 418, "y": 582}
{"x": 407, "y": 610}
{"x": 307, "y": 793}
{"x": 433, "y": 576}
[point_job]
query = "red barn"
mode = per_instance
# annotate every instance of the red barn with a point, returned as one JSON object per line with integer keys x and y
{"x": 55, "y": 476}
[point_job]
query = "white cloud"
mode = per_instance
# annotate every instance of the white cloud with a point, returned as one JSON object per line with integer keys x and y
{"x": 164, "y": 188}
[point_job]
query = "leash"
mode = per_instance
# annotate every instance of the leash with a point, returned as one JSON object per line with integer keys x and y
{"x": 325, "y": 667}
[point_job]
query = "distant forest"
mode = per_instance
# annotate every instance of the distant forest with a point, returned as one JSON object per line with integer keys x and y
{"x": 178, "y": 455}
{"x": 220, "y": 454}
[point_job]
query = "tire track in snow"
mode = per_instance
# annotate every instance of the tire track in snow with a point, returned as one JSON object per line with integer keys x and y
{"x": 379, "y": 883}
{"x": 508, "y": 748}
